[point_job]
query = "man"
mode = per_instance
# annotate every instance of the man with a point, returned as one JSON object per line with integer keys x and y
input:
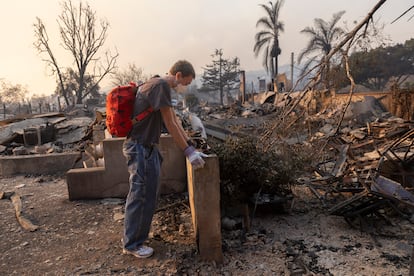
{"x": 143, "y": 157}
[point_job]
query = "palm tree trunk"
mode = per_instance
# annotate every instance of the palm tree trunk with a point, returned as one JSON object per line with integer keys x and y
{"x": 276, "y": 66}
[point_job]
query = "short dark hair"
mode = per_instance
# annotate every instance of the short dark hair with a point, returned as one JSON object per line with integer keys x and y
{"x": 183, "y": 66}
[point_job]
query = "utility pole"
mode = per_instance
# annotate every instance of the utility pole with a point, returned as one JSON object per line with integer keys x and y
{"x": 219, "y": 52}
{"x": 243, "y": 86}
{"x": 291, "y": 70}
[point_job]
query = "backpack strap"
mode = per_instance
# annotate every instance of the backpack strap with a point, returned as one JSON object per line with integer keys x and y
{"x": 141, "y": 116}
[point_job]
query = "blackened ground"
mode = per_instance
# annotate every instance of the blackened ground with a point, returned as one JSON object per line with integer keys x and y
{"x": 83, "y": 238}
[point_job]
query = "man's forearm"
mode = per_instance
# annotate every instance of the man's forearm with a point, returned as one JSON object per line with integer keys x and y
{"x": 178, "y": 136}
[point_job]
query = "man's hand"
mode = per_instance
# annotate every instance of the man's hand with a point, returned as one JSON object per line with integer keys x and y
{"x": 195, "y": 157}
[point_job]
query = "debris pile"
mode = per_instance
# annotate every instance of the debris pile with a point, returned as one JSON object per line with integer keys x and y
{"x": 360, "y": 153}
{"x": 372, "y": 164}
{"x": 43, "y": 133}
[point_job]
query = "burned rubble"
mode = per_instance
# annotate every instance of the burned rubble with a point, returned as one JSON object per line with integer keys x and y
{"x": 357, "y": 169}
{"x": 43, "y": 133}
{"x": 370, "y": 163}
{"x": 368, "y": 153}
{"x": 361, "y": 167}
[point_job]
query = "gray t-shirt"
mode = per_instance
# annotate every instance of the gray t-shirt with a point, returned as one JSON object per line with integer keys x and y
{"x": 155, "y": 93}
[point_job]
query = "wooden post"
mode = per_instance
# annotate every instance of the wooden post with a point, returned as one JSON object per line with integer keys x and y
{"x": 243, "y": 86}
{"x": 411, "y": 273}
{"x": 59, "y": 107}
{"x": 204, "y": 196}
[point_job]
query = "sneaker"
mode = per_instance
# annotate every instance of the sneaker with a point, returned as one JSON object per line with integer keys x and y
{"x": 142, "y": 252}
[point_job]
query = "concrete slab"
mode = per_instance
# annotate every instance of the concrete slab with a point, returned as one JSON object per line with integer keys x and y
{"x": 38, "y": 163}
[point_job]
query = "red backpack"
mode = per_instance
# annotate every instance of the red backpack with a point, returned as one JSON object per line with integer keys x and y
{"x": 119, "y": 108}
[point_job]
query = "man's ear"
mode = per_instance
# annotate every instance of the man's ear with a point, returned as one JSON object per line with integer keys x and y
{"x": 178, "y": 75}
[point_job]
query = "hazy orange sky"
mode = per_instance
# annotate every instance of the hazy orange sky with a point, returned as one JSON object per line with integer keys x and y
{"x": 154, "y": 34}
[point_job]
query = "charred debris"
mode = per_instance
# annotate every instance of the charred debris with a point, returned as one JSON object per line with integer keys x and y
{"x": 358, "y": 160}
{"x": 355, "y": 156}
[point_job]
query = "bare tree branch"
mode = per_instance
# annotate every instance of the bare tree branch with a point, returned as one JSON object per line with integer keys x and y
{"x": 352, "y": 88}
{"x": 83, "y": 39}
{"x": 42, "y": 46}
{"x": 349, "y": 38}
{"x": 412, "y": 7}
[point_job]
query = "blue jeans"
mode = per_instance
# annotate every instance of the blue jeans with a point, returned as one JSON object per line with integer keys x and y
{"x": 144, "y": 164}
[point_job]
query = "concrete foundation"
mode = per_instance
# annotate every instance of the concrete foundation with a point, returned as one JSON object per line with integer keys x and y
{"x": 38, "y": 163}
{"x": 112, "y": 179}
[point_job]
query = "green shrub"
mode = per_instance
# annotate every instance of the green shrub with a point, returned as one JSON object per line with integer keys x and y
{"x": 245, "y": 169}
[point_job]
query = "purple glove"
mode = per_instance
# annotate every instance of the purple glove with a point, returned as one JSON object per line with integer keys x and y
{"x": 195, "y": 157}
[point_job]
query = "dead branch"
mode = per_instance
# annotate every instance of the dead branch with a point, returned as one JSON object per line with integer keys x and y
{"x": 351, "y": 92}
{"x": 24, "y": 222}
{"x": 412, "y": 7}
{"x": 353, "y": 33}
{"x": 350, "y": 36}
{"x": 17, "y": 203}
{"x": 321, "y": 65}
{"x": 42, "y": 46}
{"x": 352, "y": 81}
{"x": 83, "y": 40}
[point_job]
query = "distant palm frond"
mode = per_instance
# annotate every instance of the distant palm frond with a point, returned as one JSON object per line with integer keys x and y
{"x": 267, "y": 40}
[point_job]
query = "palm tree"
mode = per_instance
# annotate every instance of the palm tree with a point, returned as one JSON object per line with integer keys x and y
{"x": 268, "y": 38}
{"x": 322, "y": 37}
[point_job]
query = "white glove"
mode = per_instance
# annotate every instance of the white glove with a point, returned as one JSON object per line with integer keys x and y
{"x": 195, "y": 157}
